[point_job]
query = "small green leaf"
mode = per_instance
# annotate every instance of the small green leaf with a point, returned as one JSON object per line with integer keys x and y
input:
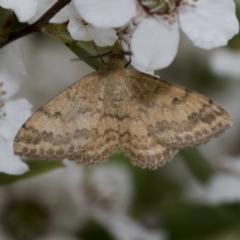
{"x": 36, "y": 168}
{"x": 82, "y": 53}
{"x": 60, "y": 33}
{"x": 197, "y": 164}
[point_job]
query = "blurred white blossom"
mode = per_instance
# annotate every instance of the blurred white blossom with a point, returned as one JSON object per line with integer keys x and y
{"x": 108, "y": 192}
{"x": 225, "y": 63}
{"x": 108, "y": 187}
{"x": 222, "y": 188}
{"x": 12, "y": 112}
{"x": 62, "y": 201}
{"x": 231, "y": 164}
{"x": 42, "y": 207}
{"x": 123, "y": 227}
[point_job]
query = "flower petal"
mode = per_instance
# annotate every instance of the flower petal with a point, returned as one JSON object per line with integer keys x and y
{"x": 85, "y": 32}
{"x": 17, "y": 111}
{"x": 209, "y": 24}
{"x": 222, "y": 188}
{"x": 78, "y": 30}
{"x": 9, "y": 163}
{"x": 104, "y": 36}
{"x": 24, "y": 9}
{"x": 12, "y": 69}
{"x": 154, "y": 43}
{"x": 106, "y": 13}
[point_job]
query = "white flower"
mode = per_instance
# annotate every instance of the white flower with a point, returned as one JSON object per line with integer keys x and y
{"x": 225, "y": 63}
{"x": 24, "y": 9}
{"x": 12, "y": 112}
{"x": 155, "y": 40}
{"x": 108, "y": 193}
{"x": 208, "y": 23}
{"x": 42, "y": 207}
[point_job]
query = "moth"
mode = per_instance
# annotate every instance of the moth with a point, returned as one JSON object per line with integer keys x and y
{"x": 117, "y": 109}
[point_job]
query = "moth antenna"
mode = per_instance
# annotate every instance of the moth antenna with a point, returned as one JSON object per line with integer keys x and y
{"x": 91, "y": 57}
{"x": 127, "y": 53}
{"x": 94, "y": 47}
{"x": 127, "y": 64}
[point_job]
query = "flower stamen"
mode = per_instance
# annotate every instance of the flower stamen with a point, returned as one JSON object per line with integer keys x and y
{"x": 186, "y": 3}
{"x": 158, "y": 7}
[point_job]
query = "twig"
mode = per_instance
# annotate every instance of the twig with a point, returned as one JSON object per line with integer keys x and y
{"x": 36, "y": 27}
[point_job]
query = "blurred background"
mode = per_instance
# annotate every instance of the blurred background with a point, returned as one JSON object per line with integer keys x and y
{"x": 195, "y": 196}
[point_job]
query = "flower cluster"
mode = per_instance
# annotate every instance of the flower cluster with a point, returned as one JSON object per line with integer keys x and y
{"x": 60, "y": 203}
{"x": 152, "y": 27}
{"x": 12, "y": 112}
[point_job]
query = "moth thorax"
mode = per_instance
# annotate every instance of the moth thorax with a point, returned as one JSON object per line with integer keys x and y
{"x": 114, "y": 88}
